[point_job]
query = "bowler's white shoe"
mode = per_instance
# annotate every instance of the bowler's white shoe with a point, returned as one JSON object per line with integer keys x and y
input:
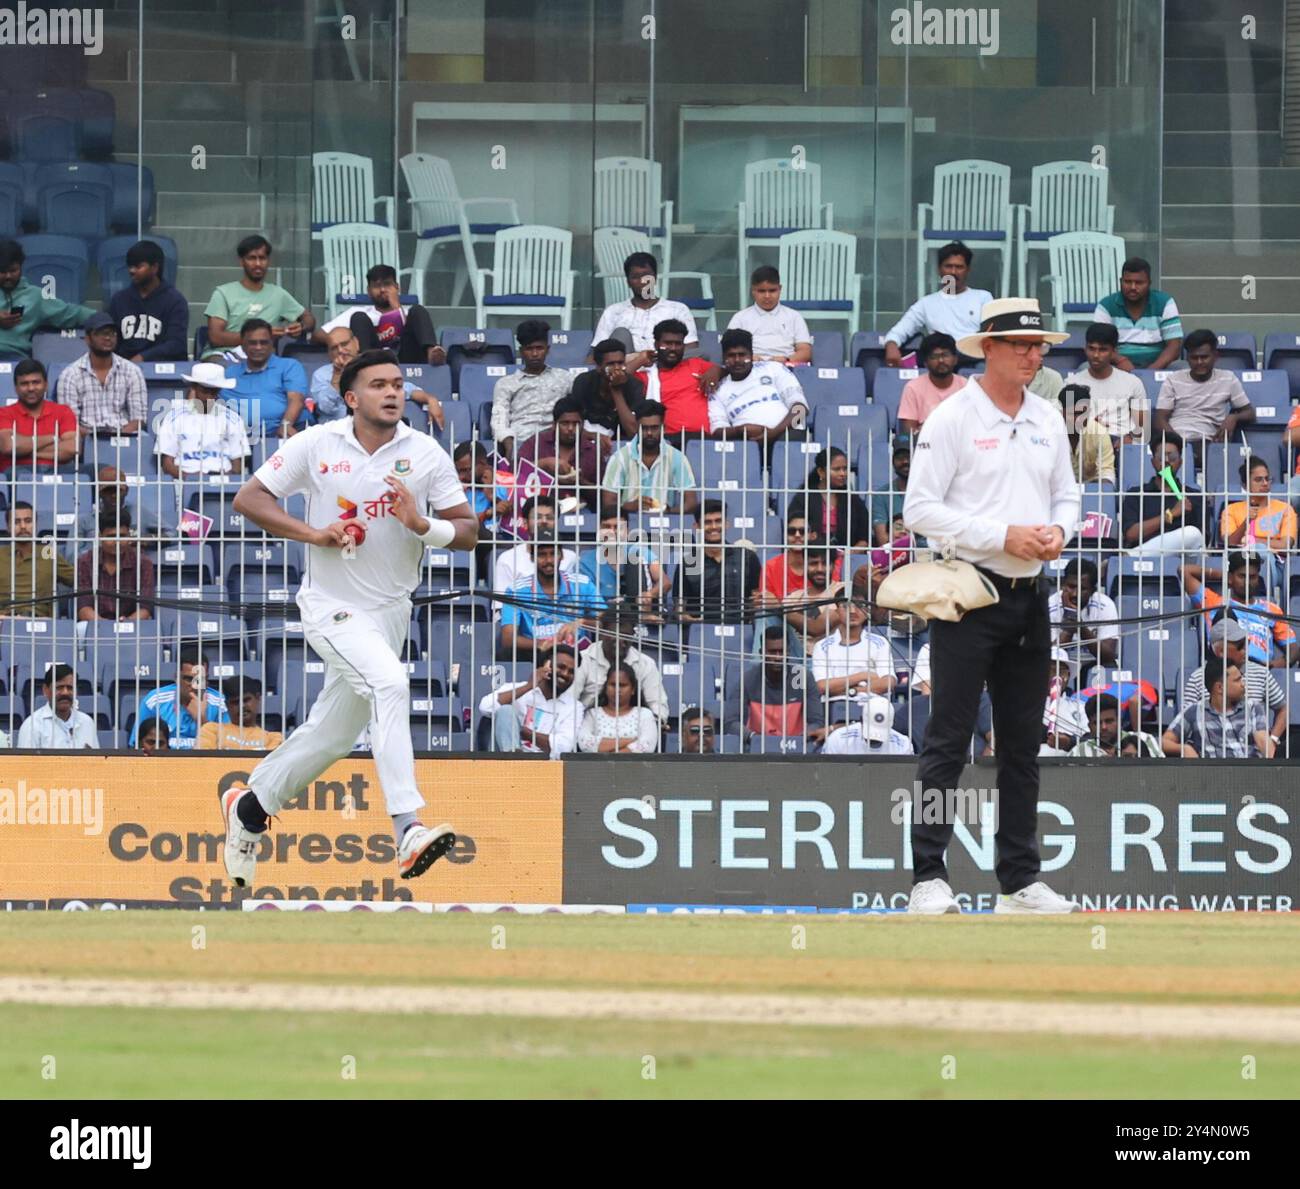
{"x": 241, "y": 843}
{"x": 421, "y": 847}
{"x": 1036, "y": 898}
{"x": 932, "y": 897}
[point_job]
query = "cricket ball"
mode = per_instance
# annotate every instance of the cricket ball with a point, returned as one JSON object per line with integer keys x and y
{"x": 356, "y": 531}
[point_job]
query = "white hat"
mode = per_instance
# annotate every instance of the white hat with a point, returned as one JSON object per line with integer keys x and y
{"x": 877, "y": 719}
{"x": 1008, "y": 318}
{"x": 208, "y": 375}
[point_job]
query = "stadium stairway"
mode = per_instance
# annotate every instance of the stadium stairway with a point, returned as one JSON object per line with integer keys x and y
{"x": 1231, "y": 206}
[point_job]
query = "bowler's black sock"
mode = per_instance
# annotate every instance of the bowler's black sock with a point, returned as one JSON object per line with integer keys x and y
{"x": 251, "y": 813}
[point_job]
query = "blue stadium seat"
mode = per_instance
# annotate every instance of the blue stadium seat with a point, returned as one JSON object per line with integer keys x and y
{"x": 477, "y": 381}
{"x": 1221, "y": 464}
{"x": 110, "y": 261}
{"x": 711, "y": 345}
{"x": 446, "y": 569}
{"x": 1282, "y": 351}
{"x": 498, "y": 336}
{"x": 1270, "y": 395}
{"x": 132, "y": 183}
{"x": 828, "y": 348}
{"x": 747, "y": 510}
{"x": 1157, "y": 652}
{"x": 438, "y": 740}
{"x": 75, "y": 207}
{"x": 726, "y": 466}
{"x": 1139, "y": 576}
{"x": 61, "y": 259}
{"x": 274, "y": 562}
{"x": 851, "y": 427}
{"x": 1070, "y": 355}
{"x": 1269, "y": 442}
{"x": 59, "y": 346}
{"x": 888, "y": 389}
{"x": 55, "y": 505}
{"x": 45, "y": 137}
{"x": 691, "y": 682}
{"x": 459, "y": 420}
{"x": 569, "y": 348}
{"x": 435, "y": 380}
{"x": 867, "y": 351}
{"x": 298, "y": 686}
{"x": 791, "y": 462}
{"x": 38, "y": 175}
{"x": 831, "y": 387}
{"x": 12, "y": 201}
{"x": 779, "y": 745}
{"x": 12, "y": 713}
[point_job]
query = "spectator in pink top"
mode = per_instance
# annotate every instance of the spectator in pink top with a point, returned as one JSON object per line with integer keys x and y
{"x": 938, "y": 352}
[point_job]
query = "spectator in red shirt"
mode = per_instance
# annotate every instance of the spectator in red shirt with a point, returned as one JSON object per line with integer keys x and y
{"x": 36, "y": 433}
{"x": 681, "y": 385}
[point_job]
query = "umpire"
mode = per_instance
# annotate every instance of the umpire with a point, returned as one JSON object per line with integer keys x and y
{"x": 991, "y": 474}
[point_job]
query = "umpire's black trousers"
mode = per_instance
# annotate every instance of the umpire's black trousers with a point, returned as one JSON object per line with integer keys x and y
{"x": 1009, "y": 646}
{"x": 418, "y": 334}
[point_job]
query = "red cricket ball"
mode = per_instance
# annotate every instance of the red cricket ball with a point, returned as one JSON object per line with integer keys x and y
{"x": 356, "y": 531}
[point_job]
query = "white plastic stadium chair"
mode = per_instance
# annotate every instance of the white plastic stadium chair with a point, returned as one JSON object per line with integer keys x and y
{"x": 780, "y": 197}
{"x": 530, "y": 274}
{"x": 440, "y": 216}
{"x": 350, "y": 251}
{"x": 615, "y": 244}
{"x": 629, "y": 193}
{"x": 1085, "y": 266}
{"x": 1063, "y": 196}
{"x": 972, "y": 203}
{"x": 818, "y": 278}
{"x": 343, "y": 191}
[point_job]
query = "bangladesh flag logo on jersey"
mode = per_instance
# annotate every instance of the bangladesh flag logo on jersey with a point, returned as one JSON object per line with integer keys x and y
{"x": 402, "y": 466}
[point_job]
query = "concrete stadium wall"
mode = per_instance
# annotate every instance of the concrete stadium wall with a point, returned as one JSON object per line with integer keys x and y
{"x": 747, "y": 833}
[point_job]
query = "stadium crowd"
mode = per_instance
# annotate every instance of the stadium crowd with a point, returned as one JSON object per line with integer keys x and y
{"x": 681, "y": 543}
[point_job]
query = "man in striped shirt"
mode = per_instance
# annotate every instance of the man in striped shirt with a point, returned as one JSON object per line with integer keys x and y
{"x": 1150, "y": 331}
{"x": 1228, "y": 640}
{"x": 103, "y": 389}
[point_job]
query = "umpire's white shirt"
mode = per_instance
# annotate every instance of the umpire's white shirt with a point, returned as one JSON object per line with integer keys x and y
{"x": 342, "y": 481}
{"x": 976, "y": 471}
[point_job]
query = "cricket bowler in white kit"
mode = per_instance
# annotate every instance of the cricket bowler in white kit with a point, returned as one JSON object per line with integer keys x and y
{"x": 373, "y": 470}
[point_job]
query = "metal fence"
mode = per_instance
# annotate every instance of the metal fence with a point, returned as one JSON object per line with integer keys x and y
{"x": 219, "y": 584}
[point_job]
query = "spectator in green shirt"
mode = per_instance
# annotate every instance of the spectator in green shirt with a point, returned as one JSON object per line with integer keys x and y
{"x": 26, "y": 308}
{"x": 253, "y": 296}
{"x": 1147, "y": 320}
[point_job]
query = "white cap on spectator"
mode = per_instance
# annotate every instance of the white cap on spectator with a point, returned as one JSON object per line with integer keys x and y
{"x": 877, "y": 719}
{"x": 208, "y": 375}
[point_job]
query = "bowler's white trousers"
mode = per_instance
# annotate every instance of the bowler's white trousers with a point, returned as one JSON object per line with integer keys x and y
{"x": 366, "y": 682}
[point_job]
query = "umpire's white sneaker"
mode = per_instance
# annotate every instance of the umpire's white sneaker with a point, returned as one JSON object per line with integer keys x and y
{"x": 932, "y": 897}
{"x": 1036, "y": 898}
{"x": 421, "y": 847}
{"x": 241, "y": 843}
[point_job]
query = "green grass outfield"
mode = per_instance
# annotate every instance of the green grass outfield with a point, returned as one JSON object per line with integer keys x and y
{"x": 1241, "y": 961}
